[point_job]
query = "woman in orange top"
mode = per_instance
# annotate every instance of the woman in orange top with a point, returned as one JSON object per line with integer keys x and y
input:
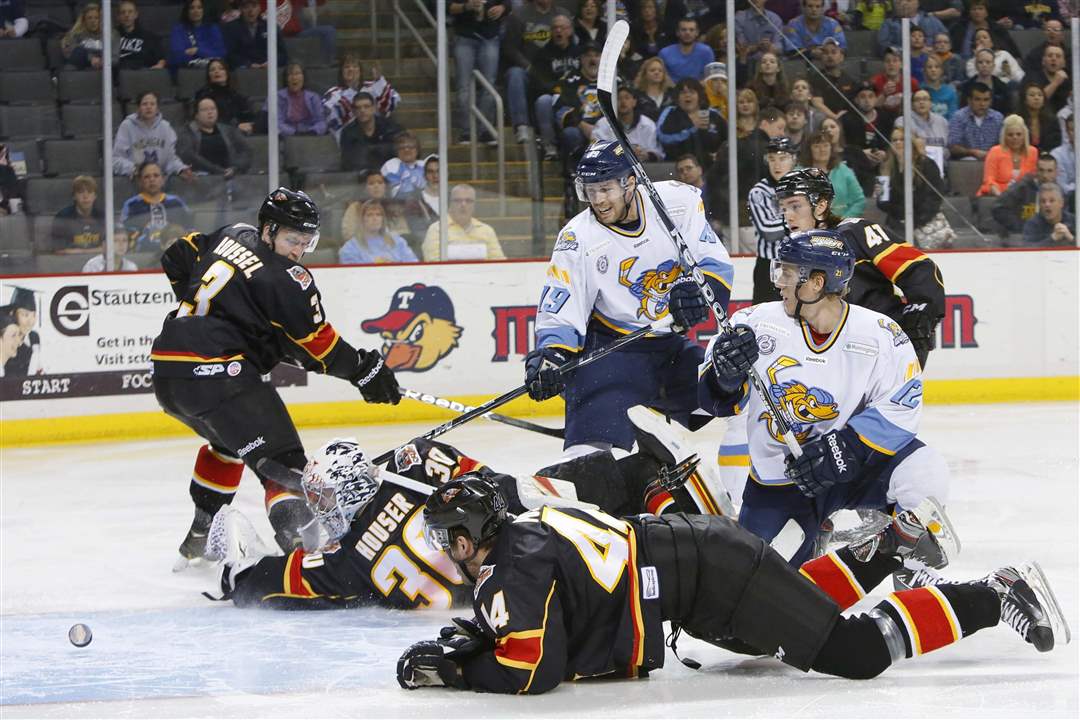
{"x": 1008, "y": 161}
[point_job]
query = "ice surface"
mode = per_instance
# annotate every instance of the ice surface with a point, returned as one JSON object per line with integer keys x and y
{"x": 89, "y": 534}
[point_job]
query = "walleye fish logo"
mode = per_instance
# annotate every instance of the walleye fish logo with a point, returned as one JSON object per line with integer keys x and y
{"x": 651, "y": 286}
{"x": 804, "y": 406}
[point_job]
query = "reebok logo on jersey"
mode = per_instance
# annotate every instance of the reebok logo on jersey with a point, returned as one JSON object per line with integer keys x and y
{"x": 837, "y": 454}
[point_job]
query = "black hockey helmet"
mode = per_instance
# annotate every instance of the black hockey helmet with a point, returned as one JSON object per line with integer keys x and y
{"x": 291, "y": 209}
{"x": 782, "y": 144}
{"x": 811, "y": 182}
{"x": 471, "y": 505}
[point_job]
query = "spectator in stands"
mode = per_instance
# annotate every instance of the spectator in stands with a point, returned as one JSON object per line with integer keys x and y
{"x": 463, "y": 230}
{"x": 1042, "y": 124}
{"x": 943, "y": 97}
{"x": 194, "y": 41}
{"x": 687, "y": 57}
{"x": 802, "y": 95}
{"x": 963, "y": 33}
{"x": 747, "y": 113}
{"x": 984, "y": 75}
{"x": 947, "y": 11}
{"x": 865, "y": 133}
{"x": 528, "y": 29}
{"x": 716, "y": 39}
{"x": 477, "y": 36}
{"x": 932, "y": 229}
{"x": 795, "y": 127}
{"x": 153, "y": 218}
{"x": 144, "y": 136}
{"x": 830, "y": 92}
{"x": 367, "y": 142}
{"x": 1006, "y": 67}
{"x": 639, "y": 129}
{"x": 758, "y": 31}
{"x": 13, "y": 22}
{"x": 10, "y": 187}
{"x": 688, "y": 170}
{"x": 974, "y": 129}
{"x": 1053, "y": 77}
{"x": 300, "y": 111}
{"x": 375, "y": 84}
{"x": 404, "y": 173}
{"x": 1020, "y": 202}
{"x": 819, "y": 151}
{"x": 647, "y": 33}
{"x": 1013, "y": 157}
{"x": 552, "y": 64}
{"x": 121, "y": 246}
{"x": 919, "y": 52}
{"x": 1066, "y": 160}
{"x": 82, "y": 45}
{"x": 210, "y": 147}
{"x": 374, "y": 242}
{"x": 1054, "y": 225}
{"x": 338, "y": 100}
{"x": 133, "y": 47}
{"x": 809, "y": 31}
{"x": 871, "y": 13}
{"x": 421, "y": 207}
{"x": 245, "y": 38}
{"x": 926, "y": 124}
{"x": 715, "y": 82}
{"x": 786, "y": 10}
{"x": 80, "y": 227}
{"x": 769, "y": 83}
{"x": 890, "y": 34}
{"x": 374, "y": 187}
{"x": 588, "y": 25}
{"x": 1015, "y": 16}
{"x": 655, "y": 87}
{"x": 293, "y": 22}
{"x": 953, "y": 67}
{"x": 1054, "y": 31}
{"x": 576, "y": 108}
{"x": 889, "y": 84}
{"x": 233, "y": 108}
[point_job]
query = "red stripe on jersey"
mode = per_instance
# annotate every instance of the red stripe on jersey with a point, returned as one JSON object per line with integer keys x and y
{"x": 929, "y": 617}
{"x": 657, "y": 501}
{"x": 320, "y": 342}
{"x": 466, "y": 465}
{"x": 219, "y": 473}
{"x": 637, "y": 653}
{"x": 519, "y": 650}
{"x": 294, "y": 575}
{"x": 546, "y": 485}
{"x": 896, "y": 259}
{"x": 830, "y": 574}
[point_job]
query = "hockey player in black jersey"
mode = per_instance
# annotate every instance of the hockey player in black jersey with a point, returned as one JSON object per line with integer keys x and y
{"x": 564, "y": 593}
{"x": 246, "y": 304}
{"x": 805, "y": 197}
{"x": 368, "y": 546}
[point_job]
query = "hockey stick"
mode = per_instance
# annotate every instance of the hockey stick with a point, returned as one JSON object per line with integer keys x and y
{"x": 455, "y": 406}
{"x": 605, "y": 86}
{"x": 569, "y": 367}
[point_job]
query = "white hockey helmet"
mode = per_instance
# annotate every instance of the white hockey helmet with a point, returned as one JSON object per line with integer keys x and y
{"x": 338, "y": 482}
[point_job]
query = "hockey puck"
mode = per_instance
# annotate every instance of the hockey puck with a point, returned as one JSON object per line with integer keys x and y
{"x": 80, "y": 635}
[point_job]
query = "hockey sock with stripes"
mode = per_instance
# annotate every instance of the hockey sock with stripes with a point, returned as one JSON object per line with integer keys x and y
{"x": 215, "y": 479}
{"x": 846, "y": 578}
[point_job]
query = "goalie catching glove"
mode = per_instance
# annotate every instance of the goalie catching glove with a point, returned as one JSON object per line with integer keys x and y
{"x": 542, "y": 376}
{"x": 375, "y": 381}
{"x": 835, "y": 458}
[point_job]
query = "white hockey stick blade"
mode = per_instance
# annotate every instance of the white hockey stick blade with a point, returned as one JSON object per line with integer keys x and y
{"x": 609, "y": 58}
{"x": 788, "y": 540}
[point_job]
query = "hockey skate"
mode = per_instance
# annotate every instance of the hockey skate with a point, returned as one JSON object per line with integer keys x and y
{"x": 193, "y": 548}
{"x": 1029, "y": 606}
{"x": 670, "y": 444}
{"x": 921, "y": 538}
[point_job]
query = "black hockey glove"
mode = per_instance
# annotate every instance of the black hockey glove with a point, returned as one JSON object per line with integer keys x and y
{"x": 920, "y": 326}
{"x": 542, "y": 375}
{"x": 466, "y": 639}
{"x": 426, "y": 664}
{"x": 733, "y": 354}
{"x": 834, "y": 458}
{"x": 375, "y": 381}
{"x": 687, "y": 304}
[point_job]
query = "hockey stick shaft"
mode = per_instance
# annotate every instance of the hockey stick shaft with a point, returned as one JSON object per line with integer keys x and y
{"x": 605, "y": 90}
{"x": 455, "y": 406}
{"x": 569, "y": 367}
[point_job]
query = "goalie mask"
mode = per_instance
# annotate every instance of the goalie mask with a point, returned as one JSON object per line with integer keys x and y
{"x": 338, "y": 482}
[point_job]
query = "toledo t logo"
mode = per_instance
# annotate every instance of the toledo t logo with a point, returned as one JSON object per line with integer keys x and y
{"x": 803, "y": 405}
{"x": 418, "y": 330}
{"x": 651, "y": 286}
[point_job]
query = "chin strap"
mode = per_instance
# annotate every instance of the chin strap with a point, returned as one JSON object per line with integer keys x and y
{"x": 799, "y": 303}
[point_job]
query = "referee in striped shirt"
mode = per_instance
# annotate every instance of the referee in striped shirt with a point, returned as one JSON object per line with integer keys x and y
{"x": 765, "y": 213}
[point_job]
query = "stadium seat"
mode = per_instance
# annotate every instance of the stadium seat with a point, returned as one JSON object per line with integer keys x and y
{"x": 60, "y": 13}
{"x": 965, "y": 177}
{"x": 188, "y": 81}
{"x": 72, "y": 157}
{"x": 134, "y": 82}
{"x": 29, "y": 121}
{"x": 1028, "y": 40}
{"x": 259, "y": 154}
{"x": 248, "y": 191}
{"x": 250, "y": 82}
{"x": 313, "y": 153}
{"x": 61, "y": 264}
{"x": 870, "y": 68}
{"x": 305, "y": 50}
{"x": 320, "y": 79}
{"x": 82, "y": 120}
{"x": 26, "y": 86}
{"x": 79, "y": 86}
{"x": 861, "y": 43}
{"x": 15, "y": 237}
{"x": 159, "y": 19}
{"x": 206, "y": 221}
{"x": 42, "y": 233}
{"x": 658, "y": 171}
{"x": 175, "y": 112}
{"x": 30, "y": 154}
{"x": 21, "y": 54}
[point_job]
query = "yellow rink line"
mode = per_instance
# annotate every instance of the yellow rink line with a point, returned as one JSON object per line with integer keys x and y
{"x": 145, "y": 425}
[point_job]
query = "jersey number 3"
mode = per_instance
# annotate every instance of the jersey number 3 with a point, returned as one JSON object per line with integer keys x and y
{"x": 214, "y": 280}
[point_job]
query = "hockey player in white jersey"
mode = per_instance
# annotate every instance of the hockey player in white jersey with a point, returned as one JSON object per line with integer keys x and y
{"x": 614, "y": 269}
{"x": 849, "y": 382}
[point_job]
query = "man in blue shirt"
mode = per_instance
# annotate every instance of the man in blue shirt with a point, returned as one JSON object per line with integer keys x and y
{"x": 809, "y": 31}
{"x": 974, "y": 129}
{"x": 890, "y": 35}
{"x": 757, "y": 30}
{"x": 687, "y": 58}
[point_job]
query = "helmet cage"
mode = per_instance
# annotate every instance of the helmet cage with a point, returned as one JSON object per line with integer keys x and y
{"x": 338, "y": 483}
